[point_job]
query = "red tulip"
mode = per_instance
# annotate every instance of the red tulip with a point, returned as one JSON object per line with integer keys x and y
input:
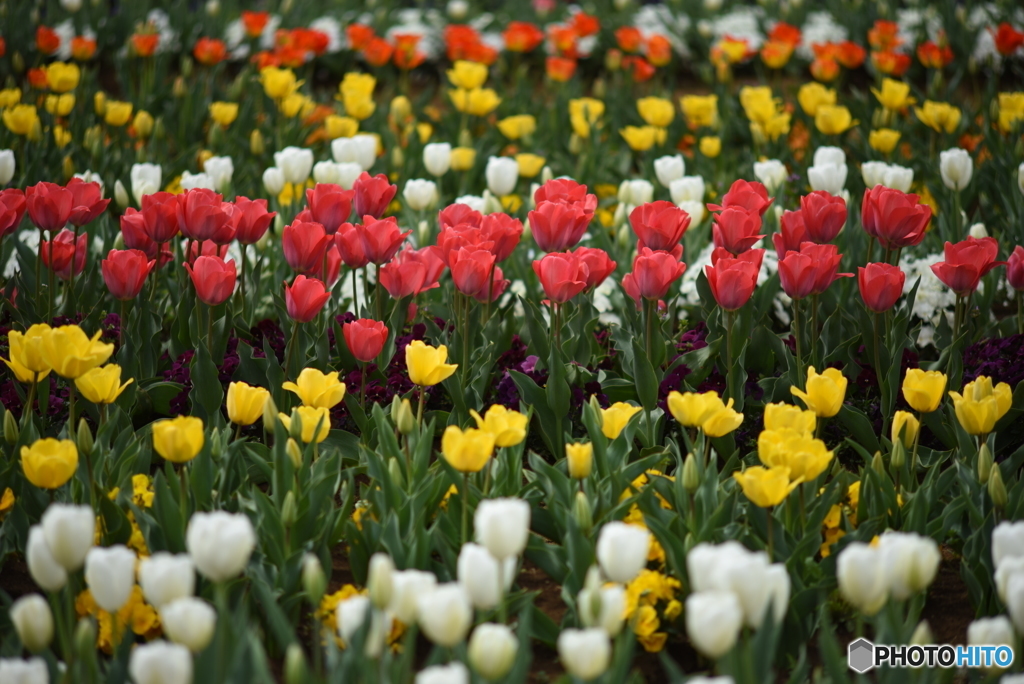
{"x": 453, "y": 238}
{"x": 810, "y": 270}
{"x": 251, "y": 219}
{"x": 659, "y": 225}
{"x": 455, "y": 214}
{"x": 160, "y": 211}
{"x": 566, "y": 191}
{"x": 87, "y": 202}
{"x": 133, "y": 231}
{"x": 504, "y": 231}
{"x": 793, "y": 233}
{"x": 1015, "y": 268}
{"x": 471, "y": 270}
{"x": 365, "y": 338}
{"x": 329, "y": 205}
{"x": 49, "y": 205}
{"x": 349, "y": 241}
{"x": 125, "y": 272}
{"x": 880, "y": 285}
{"x": 333, "y": 264}
{"x": 12, "y": 210}
{"x": 652, "y": 275}
{"x": 373, "y": 194}
{"x": 599, "y": 265}
{"x": 206, "y": 248}
{"x": 213, "y": 278}
{"x": 201, "y": 216}
{"x": 966, "y": 262}
{"x": 558, "y": 226}
{"x": 497, "y": 287}
{"x": 304, "y": 245}
{"x": 58, "y": 253}
{"x": 563, "y": 275}
{"x": 304, "y": 298}
{"x": 748, "y": 195}
{"x": 736, "y": 229}
{"x": 382, "y": 238}
{"x": 896, "y": 218}
{"x": 411, "y": 272}
{"x": 732, "y": 281}
{"x": 824, "y": 216}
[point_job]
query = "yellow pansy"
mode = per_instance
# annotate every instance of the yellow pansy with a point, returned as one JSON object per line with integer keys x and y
{"x": 700, "y": 110}
{"x": 530, "y": 164}
{"x": 883, "y": 140}
{"x": 316, "y": 422}
{"x": 507, "y": 426}
{"x": 179, "y": 439}
{"x": 102, "y": 385}
{"x": 710, "y": 146}
{"x": 833, "y": 119}
{"x": 813, "y": 95}
{"x": 642, "y": 138}
{"x": 515, "y": 127}
{"x": 245, "y": 403}
{"x": 478, "y": 101}
{"x": 905, "y": 426}
{"x": 579, "y": 457}
{"x": 824, "y": 393}
{"x": 278, "y": 83}
{"x": 467, "y": 451}
{"x": 426, "y": 364}
{"x": 224, "y": 113}
{"x": 778, "y": 416}
{"x": 340, "y": 126}
{"x": 117, "y": 113}
{"x": 317, "y": 389}
{"x": 467, "y": 75}
{"x": 939, "y": 116}
{"x": 615, "y": 417}
{"x": 70, "y": 352}
{"x": 656, "y": 111}
{"x": 981, "y": 405}
{"x": 22, "y": 119}
{"x": 49, "y": 463}
{"x": 765, "y": 487}
{"x": 62, "y": 76}
{"x": 60, "y": 105}
{"x": 894, "y": 94}
{"x": 924, "y": 390}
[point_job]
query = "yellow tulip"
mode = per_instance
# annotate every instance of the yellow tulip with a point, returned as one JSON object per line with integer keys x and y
{"x": 700, "y": 110}
{"x": 9, "y": 97}
{"x": 278, "y": 83}
{"x": 579, "y": 457}
{"x": 355, "y": 83}
{"x": 61, "y": 137}
{"x": 642, "y": 138}
{"x": 515, "y": 127}
{"x": 923, "y": 390}
{"x": 311, "y": 417}
{"x": 143, "y": 124}
{"x": 507, "y": 426}
{"x": 424, "y": 131}
{"x": 981, "y": 405}
{"x": 615, "y": 417}
{"x": 894, "y": 94}
{"x": 245, "y": 403}
{"x": 99, "y": 102}
{"x": 117, "y": 113}
{"x": 340, "y": 126}
{"x": 60, "y": 105}
{"x": 62, "y": 76}
{"x": 824, "y": 391}
{"x": 883, "y": 140}
{"x": 804, "y": 456}
{"x": 467, "y": 451}
{"x": 1011, "y": 110}
{"x": 22, "y": 119}
{"x": 400, "y": 109}
{"x": 102, "y": 385}
{"x": 765, "y": 487}
{"x": 295, "y": 104}
{"x": 26, "y": 349}
{"x": 778, "y": 416}
{"x": 426, "y": 364}
{"x": 692, "y": 409}
{"x": 179, "y": 439}
{"x": 758, "y": 103}
{"x": 22, "y": 374}
{"x": 49, "y": 463}
{"x": 463, "y": 158}
{"x": 71, "y": 353}
{"x": 813, "y": 95}
{"x": 478, "y": 101}
{"x": 905, "y": 426}
{"x": 224, "y": 113}
{"x": 656, "y": 111}
{"x": 359, "y": 106}
{"x": 710, "y": 146}
{"x": 939, "y": 116}
{"x": 722, "y": 421}
{"x": 833, "y": 119}
{"x": 530, "y": 164}
{"x": 467, "y": 75}
{"x": 317, "y": 389}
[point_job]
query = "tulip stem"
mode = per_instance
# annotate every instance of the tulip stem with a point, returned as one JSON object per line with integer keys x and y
{"x": 362, "y": 383}
{"x": 419, "y": 409}
{"x": 26, "y": 410}
{"x": 771, "y": 540}
{"x": 70, "y": 292}
{"x": 465, "y": 507}
{"x": 1020, "y": 312}
{"x": 378, "y": 295}
{"x": 465, "y": 341}
{"x": 355, "y": 300}
{"x": 913, "y": 456}
{"x": 244, "y": 246}
{"x": 799, "y": 348}
{"x": 183, "y": 475}
{"x": 878, "y": 368}
{"x": 814, "y": 329}
{"x": 39, "y": 264}
{"x": 291, "y": 348}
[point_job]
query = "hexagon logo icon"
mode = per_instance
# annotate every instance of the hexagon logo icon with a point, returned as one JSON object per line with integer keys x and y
{"x": 860, "y": 655}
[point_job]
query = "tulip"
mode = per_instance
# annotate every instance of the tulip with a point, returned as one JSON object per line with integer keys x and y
{"x": 17, "y": 671}
{"x": 599, "y": 265}
{"x": 1015, "y": 269}
{"x": 503, "y": 526}
{"x": 165, "y": 578}
{"x": 70, "y": 353}
{"x": 159, "y": 216}
{"x": 273, "y": 181}
{"x": 220, "y": 543}
{"x": 787, "y": 416}
{"x": 659, "y": 225}
{"x": 792, "y": 233}
{"x": 483, "y": 577}
{"x": 669, "y": 169}
{"x": 49, "y": 463}
{"x": 315, "y": 422}
{"x": 87, "y": 201}
{"x": 110, "y": 574}
{"x": 12, "y": 209}
{"x": 360, "y": 149}
{"x": 824, "y": 215}
{"x": 805, "y": 457}
{"x": 251, "y": 219}
{"x": 214, "y": 279}
{"x": 924, "y": 390}
{"x": 829, "y": 178}
{"x": 732, "y": 281}
{"x": 317, "y": 389}
{"x": 772, "y": 173}
{"x": 492, "y": 650}
{"x": 365, "y": 338}
{"x": 615, "y": 417}
{"x": 765, "y": 487}
{"x": 420, "y": 194}
{"x": 411, "y": 271}
{"x": 49, "y": 206}
{"x": 507, "y": 426}
{"x": 905, "y": 427}
{"x": 407, "y": 587}
{"x": 245, "y": 403}
{"x": 562, "y": 275}
{"x": 189, "y": 621}
{"x": 426, "y": 364}
{"x": 1007, "y": 538}
{"x": 981, "y": 405}
{"x": 27, "y": 350}
{"x": 125, "y": 272}
{"x": 991, "y": 631}
{"x": 585, "y": 653}
{"x": 688, "y": 193}
{"x": 372, "y": 195}
{"x": 304, "y": 244}
{"x": 7, "y": 166}
{"x": 965, "y": 264}
{"x": 295, "y": 163}
{"x": 437, "y": 158}
{"x": 722, "y": 420}
{"x": 305, "y": 298}
{"x": 880, "y": 285}
{"x": 824, "y": 392}
{"x": 471, "y": 270}
{"x": 33, "y": 622}
{"x": 454, "y": 672}
{"x": 501, "y": 173}
{"x": 102, "y": 385}
{"x": 180, "y": 439}
{"x": 911, "y": 562}
{"x": 691, "y": 409}
{"x": 467, "y": 451}
{"x": 736, "y": 229}
{"x": 956, "y": 168}
{"x": 382, "y": 238}
{"x": 201, "y": 216}
{"x": 579, "y": 459}
{"x": 896, "y": 218}
{"x": 502, "y": 230}
{"x": 146, "y": 179}
{"x": 329, "y": 205}
{"x": 622, "y": 551}
{"x": 750, "y": 196}
{"x": 379, "y": 580}
{"x": 160, "y": 662}
{"x": 445, "y": 614}
{"x": 557, "y": 225}
{"x": 49, "y": 574}
{"x": 602, "y": 606}
{"x": 635, "y": 192}
{"x": 863, "y": 581}
{"x": 713, "y": 621}
{"x": 349, "y": 243}
{"x": 220, "y": 170}
{"x": 63, "y": 255}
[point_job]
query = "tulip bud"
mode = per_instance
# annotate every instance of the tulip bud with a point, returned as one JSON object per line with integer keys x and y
{"x": 294, "y": 453}
{"x": 582, "y": 512}
{"x": 620, "y": 214}
{"x": 984, "y": 464}
{"x": 84, "y": 437}
{"x": 256, "y": 145}
{"x": 395, "y": 472}
{"x": 922, "y": 635}
{"x": 269, "y": 415}
{"x": 899, "y": 455}
{"x": 314, "y": 582}
{"x": 691, "y": 478}
{"x": 379, "y": 580}
{"x": 877, "y": 464}
{"x": 423, "y": 233}
{"x": 546, "y": 174}
{"x": 17, "y": 62}
{"x": 996, "y": 488}
{"x": 492, "y": 650}
{"x": 492, "y": 205}
{"x": 143, "y": 124}
{"x": 68, "y": 167}
{"x": 465, "y": 139}
{"x": 289, "y": 510}
{"x": 180, "y": 89}
{"x": 295, "y": 670}
{"x": 121, "y": 195}
{"x": 11, "y": 430}
{"x": 596, "y": 412}
{"x": 406, "y": 420}
{"x": 295, "y": 425}
{"x": 397, "y": 157}
{"x": 575, "y": 144}
{"x": 33, "y": 622}
{"x": 600, "y": 89}
{"x": 85, "y": 638}
{"x": 612, "y": 61}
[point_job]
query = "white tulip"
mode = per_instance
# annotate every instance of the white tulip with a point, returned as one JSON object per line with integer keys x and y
{"x": 452, "y": 673}
{"x": 110, "y": 574}
{"x": 723, "y": 679}
{"x": 273, "y": 181}
{"x": 956, "y": 168}
{"x": 7, "y": 166}
{"x": 1007, "y": 568}
{"x": 359, "y": 149}
{"x": 695, "y": 210}
{"x": 828, "y": 177}
{"x": 503, "y": 526}
{"x": 922, "y": 635}
{"x": 585, "y": 653}
{"x": 472, "y": 201}
{"x": 437, "y": 157}
{"x": 160, "y": 662}
{"x": 325, "y": 172}
{"x": 69, "y": 532}
{"x": 829, "y": 155}
{"x": 33, "y": 621}
{"x": 165, "y": 577}
{"x": 772, "y": 173}
{"x": 189, "y": 621}
{"x": 348, "y": 173}
{"x": 483, "y": 576}
{"x": 977, "y": 231}
{"x": 1007, "y": 541}
{"x": 71, "y": 5}
{"x": 44, "y": 568}
{"x": 350, "y": 615}
{"x": 863, "y": 580}
{"x": 756, "y": 584}
{"x": 295, "y": 163}
{"x": 146, "y": 179}
{"x": 636, "y": 192}
{"x": 1012, "y": 679}
{"x": 687, "y": 189}
{"x": 379, "y": 582}
{"x": 18, "y": 671}
{"x": 1020, "y": 178}
{"x": 1015, "y": 600}
{"x": 911, "y": 561}
{"x": 713, "y": 621}
{"x": 873, "y": 173}
{"x": 705, "y": 564}
{"x": 221, "y": 170}
{"x": 420, "y": 194}
{"x": 603, "y": 607}
{"x": 492, "y": 650}
{"x": 502, "y": 174}
{"x": 991, "y": 631}
{"x": 622, "y": 551}
{"x": 445, "y": 614}
{"x": 220, "y": 543}
{"x": 190, "y": 181}
{"x": 898, "y": 178}
{"x": 121, "y": 195}
{"x": 406, "y": 587}
{"x": 669, "y": 168}
{"x": 457, "y": 9}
